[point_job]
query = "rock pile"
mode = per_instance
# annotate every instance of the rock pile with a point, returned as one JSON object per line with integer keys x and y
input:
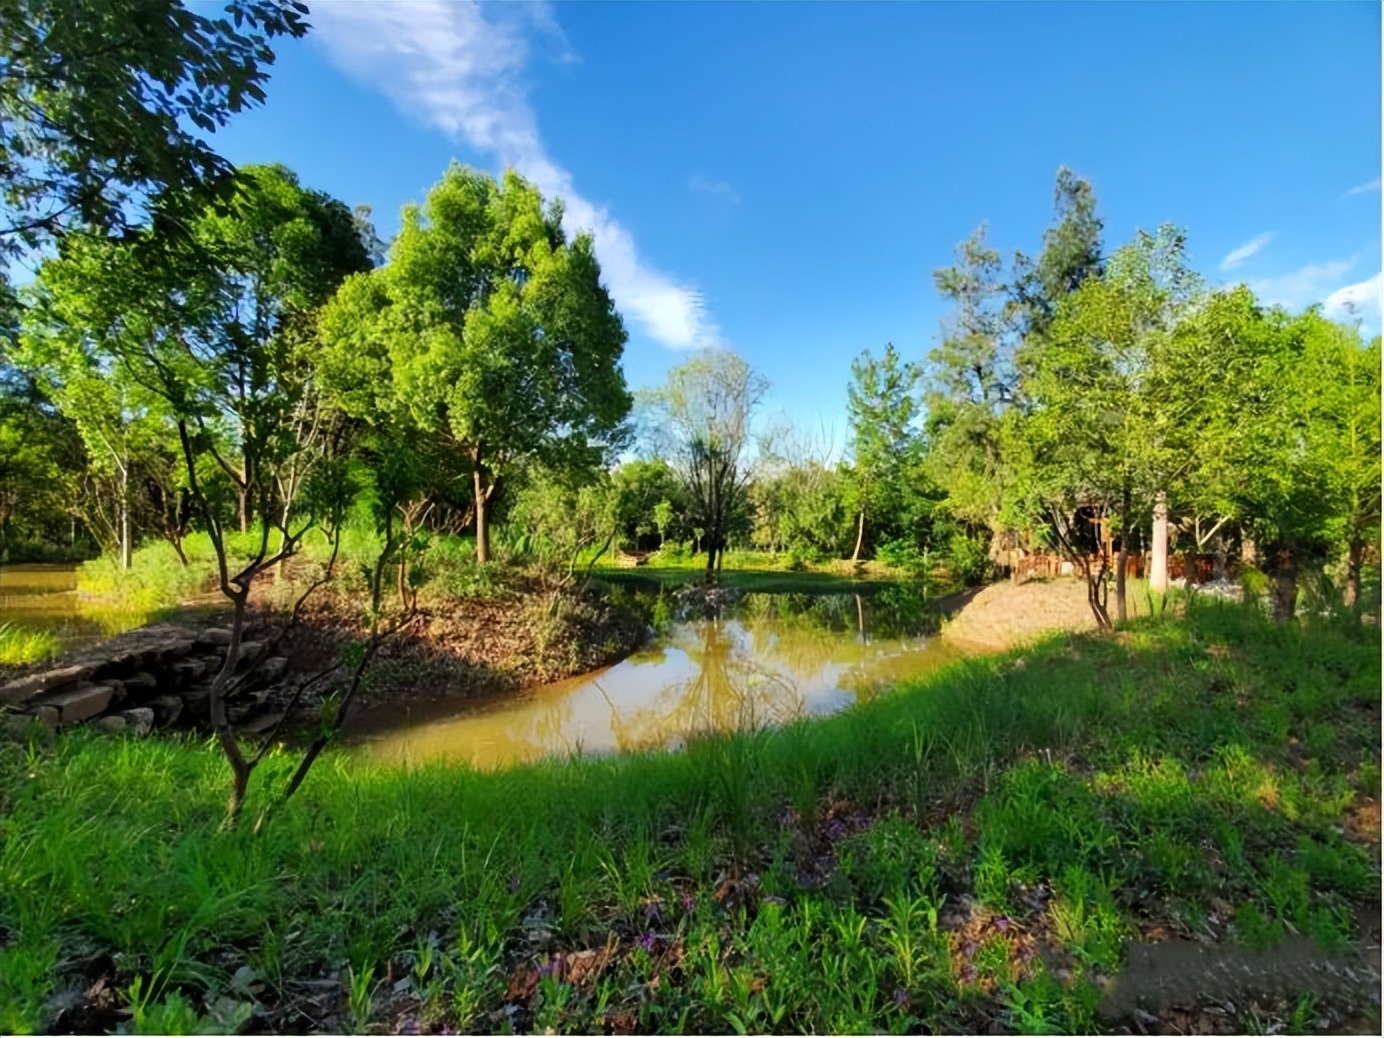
{"x": 155, "y": 676}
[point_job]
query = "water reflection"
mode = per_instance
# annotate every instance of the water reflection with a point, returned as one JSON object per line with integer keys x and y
{"x": 45, "y": 598}
{"x": 765, "y": 661}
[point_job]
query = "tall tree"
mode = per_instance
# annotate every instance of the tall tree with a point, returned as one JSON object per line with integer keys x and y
{"x": 123, "y": 425}
{"x": 211, "y": 321}
{"x": 1093, "y": 436}
{"x": 1071, "y": 254}
{"x": 882, "y": 409}
{"x": 1267, "y": 434}
{"x": 700, "y": 420}
{"x": 971, "y": 379}
{"x": 489, "y": 329}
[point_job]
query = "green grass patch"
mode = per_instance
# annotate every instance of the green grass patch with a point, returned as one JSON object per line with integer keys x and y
{"x": 967, "y": 852}
{"x": 21, "y": 645}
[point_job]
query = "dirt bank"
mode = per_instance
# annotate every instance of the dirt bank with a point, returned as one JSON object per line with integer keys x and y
{"x": 1004, "y": 615}
{"x": 513, "y": 638}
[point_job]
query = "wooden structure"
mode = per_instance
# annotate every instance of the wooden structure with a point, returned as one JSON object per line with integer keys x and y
{"x": 1047, "y": 565}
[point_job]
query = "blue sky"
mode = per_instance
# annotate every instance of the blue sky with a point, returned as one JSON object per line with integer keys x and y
{"x": 782, "y": 179}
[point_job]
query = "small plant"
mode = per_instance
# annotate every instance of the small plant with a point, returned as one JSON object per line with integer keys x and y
{"x": 360, "y": 997}
{"x": 19, "y": 645}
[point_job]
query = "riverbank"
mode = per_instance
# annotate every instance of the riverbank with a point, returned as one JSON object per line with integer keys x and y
{"x": 966, "y": 854}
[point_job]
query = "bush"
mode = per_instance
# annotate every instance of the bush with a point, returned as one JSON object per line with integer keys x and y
{"x": 968, "y": 558}
{"x": 901, "y": 553}
{"x": 449, "y": 566}
{"x": 156, "y": 578}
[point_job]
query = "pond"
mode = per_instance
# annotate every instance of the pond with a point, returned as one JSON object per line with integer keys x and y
{"x": 765, "y": 660}
{"x": 44, "y": 598}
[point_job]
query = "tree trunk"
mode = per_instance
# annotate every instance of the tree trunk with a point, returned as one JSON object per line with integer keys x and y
{"x": 1095, "y": 596}
{"x": 281, "y": 568}
{"x": 242, "y": 500}
{"x": 859, "y": 538}
{"x": 126, "y": 541}
{"x": 482, "y": 523}
{"x": 1285, "y": 574}
{"x": 1122, "y": 561}
{"x": 1158, "y": 564}
{"x": 1354, "y": 559}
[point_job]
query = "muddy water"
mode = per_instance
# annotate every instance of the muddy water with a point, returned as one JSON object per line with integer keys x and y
{"x": 768, "y": 660}
{"x": 45, "y": 598}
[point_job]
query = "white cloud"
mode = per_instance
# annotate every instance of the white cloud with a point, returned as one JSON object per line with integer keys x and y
{"x": 1360, "y": 299}
{"x": 1363, "y": 189}
{"x": 1245, "y": 251}
{"x": 1301, "y": 288}
{"x": 718, "y": 188}
{"x": 459, "y": 69}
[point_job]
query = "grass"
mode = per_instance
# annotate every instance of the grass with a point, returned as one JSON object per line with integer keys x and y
{"x": 968, "y": 852}
{"x": 20, "y": 645}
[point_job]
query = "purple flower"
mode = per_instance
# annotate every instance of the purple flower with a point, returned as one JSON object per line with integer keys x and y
{"x": 689, "y": 903}
{"x": 1002, "y": 924}
{"x": 968, "y": 949}
{"x": 646, "y": 941}
{"x": 900, "y": 997}
{"x": 548, "y": 967}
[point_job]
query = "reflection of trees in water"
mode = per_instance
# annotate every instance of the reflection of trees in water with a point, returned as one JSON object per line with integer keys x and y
{"x": 730, "y": 689}
{"x": 894, "y": 611}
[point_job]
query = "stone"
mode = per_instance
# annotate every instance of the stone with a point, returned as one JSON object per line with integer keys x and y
{"x": 143, "y": 681}
{"x": 77, "y": 704}
{"x": 273, "y": 666}
{"x": 249, "y": 653}
{"x": 110, "y": 724}
{"x": 118, "y": 693}
{"x": 217, "y": 636}
{"x": 189, "y": 670}
{"x": 261, "y": 724}
{"x": 166, "y": 709}
{"x": 141, "y": 718}
{"x": 48, "y": 716}
{"x": 23, "y": 689}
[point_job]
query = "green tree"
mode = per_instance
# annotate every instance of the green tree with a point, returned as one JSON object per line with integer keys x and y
{"x": 213, "y": 322}
{"x": 1091, "y": 439}
{"x": 700, "y": 421}
{"x": 640, "y": 487}
{"x": 40, "y": 453}
{"x": 882, "y": 408}
{"x": 971, "y": 380}
{"x": 123, "y": 425}
{"x": 1071, "y": 254}
{"x": 489, "y": 329}
{"x": 102, "y": 105}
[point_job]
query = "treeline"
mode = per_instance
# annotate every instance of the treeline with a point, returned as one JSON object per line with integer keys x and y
{"x": 277, "y": 366}
{"x": 234, "y": 353}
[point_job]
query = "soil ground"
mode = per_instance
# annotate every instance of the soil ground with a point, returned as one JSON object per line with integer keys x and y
{"x": 1006, "y": 615}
